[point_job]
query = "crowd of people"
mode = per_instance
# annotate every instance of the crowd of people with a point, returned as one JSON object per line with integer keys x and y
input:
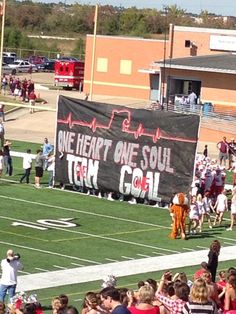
{"x": 20, "y": 89}
{"x": 205, "y": 292}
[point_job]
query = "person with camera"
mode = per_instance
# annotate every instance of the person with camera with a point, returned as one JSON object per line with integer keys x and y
{"x": 10, "y": 266}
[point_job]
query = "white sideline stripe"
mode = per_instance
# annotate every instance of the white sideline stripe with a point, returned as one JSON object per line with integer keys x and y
{"x": 143, "y": 255}
{"x": 75, "y": 264}
{"x": 24, "y": 272}
{"x": 41, "y": 269}
{"x": 201, "y": 247}
{"x": 110, "y": 259}
{"x": 127, "y": 257}
{"x": 118, "y": 269}
{"x": 158, "y": 253}
{"x": 60, "y": 267}
{"x": 188, "y": 249}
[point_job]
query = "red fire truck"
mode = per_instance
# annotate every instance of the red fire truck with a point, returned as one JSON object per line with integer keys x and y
{"x": 69, "y": 74}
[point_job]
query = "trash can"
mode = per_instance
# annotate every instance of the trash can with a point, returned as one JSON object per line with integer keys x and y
{"x": 207, "y": 108}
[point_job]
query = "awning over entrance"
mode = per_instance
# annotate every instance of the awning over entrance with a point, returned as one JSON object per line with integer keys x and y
{"x": 150, "y": 71}
{"x": 220, "y": 63}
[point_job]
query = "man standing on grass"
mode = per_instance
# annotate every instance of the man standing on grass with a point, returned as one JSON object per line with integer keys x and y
{"x": 27, "y": 165}
{"x": 10, "y": 266}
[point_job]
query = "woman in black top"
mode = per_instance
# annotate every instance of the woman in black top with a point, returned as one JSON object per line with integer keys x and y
{"x": 213, "y": 256}
{"x": 7, "y": 158}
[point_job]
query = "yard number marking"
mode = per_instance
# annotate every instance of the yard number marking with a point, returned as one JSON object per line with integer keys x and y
{"x": 62, "y": 223}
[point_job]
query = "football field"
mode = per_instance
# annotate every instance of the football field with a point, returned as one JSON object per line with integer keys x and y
{"x": 69, "y": 241}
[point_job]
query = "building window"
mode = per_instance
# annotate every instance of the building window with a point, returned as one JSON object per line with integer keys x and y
{"x": 102, "y": 64}
{"x": 126, "y": 67}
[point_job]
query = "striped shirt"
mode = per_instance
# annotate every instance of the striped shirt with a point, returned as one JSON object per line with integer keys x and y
{"x": 199, "y": 308}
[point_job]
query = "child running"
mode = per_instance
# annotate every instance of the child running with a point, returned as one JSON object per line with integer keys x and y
{"x": 221, "y": 206}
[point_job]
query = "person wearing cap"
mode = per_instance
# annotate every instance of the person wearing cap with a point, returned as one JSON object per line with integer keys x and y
{"x": 232, "y": 151}
{"x": 10, "y": 266}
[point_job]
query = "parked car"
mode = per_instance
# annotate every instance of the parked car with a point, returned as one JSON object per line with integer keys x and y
{"x": 9, "y": 54}
{"x": 48, "y": 66}
{"x": 6, "y": 69}
{"x": 37, "y": 60}
{"x": 23, "y": 66}
{"x": 8, "y": 60}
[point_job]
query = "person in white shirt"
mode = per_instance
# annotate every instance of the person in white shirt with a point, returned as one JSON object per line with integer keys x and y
{"x": 27, "y": 165}
{"x": 10, "y": 266}
{"x": 221, "y": 206}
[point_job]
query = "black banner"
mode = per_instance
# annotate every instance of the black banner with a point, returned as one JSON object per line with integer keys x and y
{"x": 146, "y": 154}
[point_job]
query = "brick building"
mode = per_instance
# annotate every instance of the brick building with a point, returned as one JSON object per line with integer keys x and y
{"x": 198, "y": 59}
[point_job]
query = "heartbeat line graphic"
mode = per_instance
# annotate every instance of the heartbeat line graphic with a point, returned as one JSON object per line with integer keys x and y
{"x": 126, "y": 127}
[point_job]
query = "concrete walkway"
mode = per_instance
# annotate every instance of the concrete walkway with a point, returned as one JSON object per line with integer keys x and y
{"x": 118, "y": 269}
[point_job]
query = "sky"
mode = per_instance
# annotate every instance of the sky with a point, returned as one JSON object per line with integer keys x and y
{"x": 220, "y": 7}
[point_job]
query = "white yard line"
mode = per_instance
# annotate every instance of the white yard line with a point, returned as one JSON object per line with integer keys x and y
{"x": 84, "y": 212}
{"x": 118, "y": 269}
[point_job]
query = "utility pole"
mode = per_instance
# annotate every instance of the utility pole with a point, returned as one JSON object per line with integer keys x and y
{"x": 3, "y": 11}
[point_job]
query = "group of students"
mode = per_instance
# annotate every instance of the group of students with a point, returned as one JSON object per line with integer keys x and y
{"x": 209, "y": 195}
{"x": 172, "y": 294}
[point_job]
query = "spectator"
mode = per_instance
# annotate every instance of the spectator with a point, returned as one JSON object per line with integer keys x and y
{"x": 232, "y": 151}
{"x": 51, "y": 169}
{"x": 4, "y": 84}
{"x": 205, "y": 151}
{"x": 1, "y": 163}
{"x": 202, "y": 270}
{"x": 91, "y": 304}
{"x": 27, "y": 165}
{"x": 233, "y": 209}
{"x": 56, "y": 305}
{"x": 223, "y": 148}
{"x": 10, "y": 265}
{"x": 145, "y": 305}
{"x": 199, "y": 302}
{"x": 110, "y": 298}
{"x": 2, "y": 114}
{"x": 230, "y": 294}
{"x": 32, "y": 97}
{"x": 64, "y": 304}
{"x": 7, "y": 158}
{"x": 71, "y": 310}
{"x": 174, "y": 304}
{"x": 39, "y": 162}
{"x": 213, "y": 256}
{"x": 192, "y": 99}
{"x": 2, "y": 133}
{"x": 47, "y": 149}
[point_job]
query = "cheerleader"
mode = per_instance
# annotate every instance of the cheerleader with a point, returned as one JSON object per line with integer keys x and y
{"x": 193, "y": 216}
{"x": 221, "y": 206}
{"x": 233, "y": 209}
{"x": 206, "y": 209}
{"x": 200, "y": 211}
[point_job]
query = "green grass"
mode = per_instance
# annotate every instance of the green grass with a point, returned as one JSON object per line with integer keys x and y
{"x": 103, "y": 230}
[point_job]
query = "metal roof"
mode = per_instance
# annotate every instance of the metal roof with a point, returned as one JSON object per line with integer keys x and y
{"x": 220, "y": 63}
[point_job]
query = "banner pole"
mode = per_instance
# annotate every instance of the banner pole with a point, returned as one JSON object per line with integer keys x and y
{"x": 2, "y": 38}
{"x": 93, "y": 52}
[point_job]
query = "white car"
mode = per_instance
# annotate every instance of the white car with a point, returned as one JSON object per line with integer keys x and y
{"x": 22, "y": 66}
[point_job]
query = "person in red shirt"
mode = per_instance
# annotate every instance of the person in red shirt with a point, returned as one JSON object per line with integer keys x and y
{"x": 32, "y": 98}
{"x": 201, "y": 271}
{"x": 223, "y": 148}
